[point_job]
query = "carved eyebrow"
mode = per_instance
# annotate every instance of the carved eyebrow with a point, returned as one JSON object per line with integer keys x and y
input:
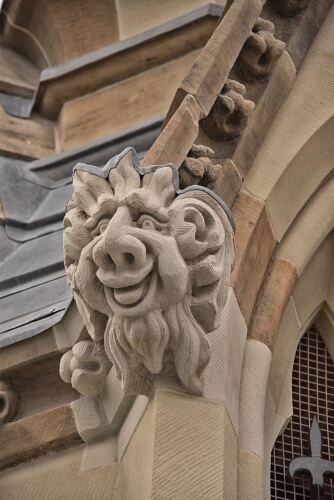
{"x": 158, "y": 213}
{"x": 148, "y": 217}
{"x": 108, "y": 208}
{"x": 160, "y": 217}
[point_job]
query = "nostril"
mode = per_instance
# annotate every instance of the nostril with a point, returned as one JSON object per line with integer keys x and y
{"x": 110, "y": 263}
{"x": 129, "y": 258}
{"x": 106, "y": 262}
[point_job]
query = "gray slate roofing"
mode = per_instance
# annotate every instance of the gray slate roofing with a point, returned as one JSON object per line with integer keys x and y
{"x": 33, "y": 291}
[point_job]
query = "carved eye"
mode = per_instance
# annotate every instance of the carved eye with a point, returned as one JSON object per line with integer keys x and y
{"x": 149, "y": 223}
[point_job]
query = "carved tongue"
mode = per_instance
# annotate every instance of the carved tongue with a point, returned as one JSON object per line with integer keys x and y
{"x": 129, "y": 295}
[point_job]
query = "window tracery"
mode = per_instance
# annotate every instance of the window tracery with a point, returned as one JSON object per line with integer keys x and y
{"x": 312, "y": 396}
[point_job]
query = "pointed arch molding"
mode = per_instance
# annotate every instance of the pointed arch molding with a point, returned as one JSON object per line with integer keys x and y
{"x": 291, "y": 186}
{"x": 311, "y": 301}
{"x": 265, "y": 398}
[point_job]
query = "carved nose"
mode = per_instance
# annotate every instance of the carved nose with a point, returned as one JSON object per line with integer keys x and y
{"x": 122, "y": 261}
{"x": 121, "y": 254}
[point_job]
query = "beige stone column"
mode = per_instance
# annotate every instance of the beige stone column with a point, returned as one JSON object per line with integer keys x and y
{"x": 184, "y": 448}
{"x": 254, "y": 380}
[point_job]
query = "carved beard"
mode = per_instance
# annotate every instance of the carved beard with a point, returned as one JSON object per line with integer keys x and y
{"x": 133, "y": 344}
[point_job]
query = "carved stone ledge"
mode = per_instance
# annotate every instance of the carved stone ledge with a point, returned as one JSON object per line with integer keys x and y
{"x": 8, "y": 401}
{"x": 149, "y": 265}
{"x": 199, "y": 167}
{"x": 229, "y": 114}
{"x": 289, "y": 8}
{"x": 259, "y": 53}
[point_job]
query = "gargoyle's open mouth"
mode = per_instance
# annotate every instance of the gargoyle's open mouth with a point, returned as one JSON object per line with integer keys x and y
{"x": 134, "y": 300}
{"x": 132, "y": 295}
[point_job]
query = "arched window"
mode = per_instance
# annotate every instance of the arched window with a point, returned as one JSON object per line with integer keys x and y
{"x": 313, "y": 396}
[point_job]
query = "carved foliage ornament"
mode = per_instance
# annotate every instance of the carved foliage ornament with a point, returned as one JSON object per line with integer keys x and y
{"x": 199, "y": 167}
{"x": 229, "y": 114}
{"x": 149, "y": 266}
{"x": 260, "y": 52}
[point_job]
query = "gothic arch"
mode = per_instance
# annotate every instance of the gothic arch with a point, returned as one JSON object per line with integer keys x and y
{"x": 292, "y": 186}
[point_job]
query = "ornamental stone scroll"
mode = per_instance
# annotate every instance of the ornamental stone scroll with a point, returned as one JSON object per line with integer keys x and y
{"x": 149, "y": 266}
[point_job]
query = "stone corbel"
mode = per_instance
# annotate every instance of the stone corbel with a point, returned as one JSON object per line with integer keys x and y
{"x": 260, "y": 52}
{"x": 149, "y": 265}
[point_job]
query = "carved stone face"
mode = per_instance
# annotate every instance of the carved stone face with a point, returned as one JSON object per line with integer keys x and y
{"x": 149, "y": 268}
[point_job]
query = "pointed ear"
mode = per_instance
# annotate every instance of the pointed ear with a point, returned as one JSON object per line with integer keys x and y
{"x": 156, "y": 194}
{"x": 161, "y": 183}
{"x": 124, "y": 178}
{"x": 205, "y": 240}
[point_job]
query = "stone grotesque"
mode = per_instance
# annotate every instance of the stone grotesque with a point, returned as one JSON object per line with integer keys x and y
{"x": 149, "y": 266}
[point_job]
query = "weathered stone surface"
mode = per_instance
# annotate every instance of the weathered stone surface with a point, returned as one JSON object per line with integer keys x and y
{"x": 28, "y": 351}
{"x": 273, "y": 96}
{"x": 279, "y": 281}
{"x": 18, "y": 75}
{"x": 85, "y": 366}
{"x": 303, "y": 130}
{"x": 2, "y": 213}
{"x": 60, "y": 475}
{"x": 32, "y": 436}
{"x": 149, "y": 266}
{"x": 184, "y": 448}
{"x": 254, "y": 244}
{"x": 228, "y": 182}
{"x": 260, "y": 52}
{"x": 125, "y": 59}
{"x": 289, "y": 7}
{"x": 304, "y": 33}
{"x": 211, "y": 68}
{"x": 32, "y": 139}
{"x": 8, "y": 400}
{"x": 130, "y": 102}
{"x": 63, "y": 31}
{"x": 250, "y": 478}
{"x": 223, "y": 374}
{"x": 255, "y": 373}
{"x": 177, "y": 137}
{"x": 229, "y": 114}
{"x": 199, "y": 167}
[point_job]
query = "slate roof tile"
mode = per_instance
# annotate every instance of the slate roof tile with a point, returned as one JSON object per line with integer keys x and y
{"x": 34, "y": 294}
